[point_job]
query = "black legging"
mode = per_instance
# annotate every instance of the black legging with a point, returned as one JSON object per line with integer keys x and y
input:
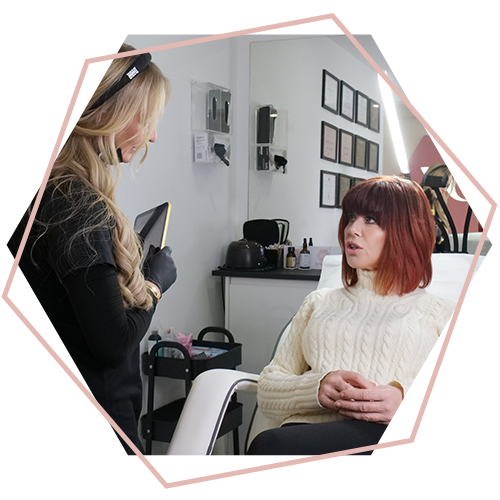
{"x": 317, "y": 439}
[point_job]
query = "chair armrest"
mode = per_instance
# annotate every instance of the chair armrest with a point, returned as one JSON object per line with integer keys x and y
{"x": 204, "y": 409}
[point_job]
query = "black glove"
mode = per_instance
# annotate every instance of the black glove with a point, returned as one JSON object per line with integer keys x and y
{"x": 159, "y": 268}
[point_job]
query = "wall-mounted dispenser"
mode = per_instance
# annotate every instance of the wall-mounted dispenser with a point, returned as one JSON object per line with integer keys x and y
{"x": 271, "y": 138}
{"x": 210, "y": 123}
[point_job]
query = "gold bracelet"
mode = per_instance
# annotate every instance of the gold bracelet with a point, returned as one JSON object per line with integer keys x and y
{"x": 155, "y": 291}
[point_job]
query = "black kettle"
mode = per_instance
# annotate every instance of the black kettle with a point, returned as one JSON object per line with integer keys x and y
{"x": 245, "y": 254}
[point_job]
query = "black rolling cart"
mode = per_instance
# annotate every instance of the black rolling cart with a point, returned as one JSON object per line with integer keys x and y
{"x": 159, "y": 424}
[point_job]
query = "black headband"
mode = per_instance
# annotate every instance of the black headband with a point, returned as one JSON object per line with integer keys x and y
{"x": 132, "y": 71}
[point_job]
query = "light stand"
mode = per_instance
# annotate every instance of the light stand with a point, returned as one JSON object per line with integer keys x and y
{"x": 475, "y": 170}
{"x": 476, "y": 128}
{"x": 436, "y": 182}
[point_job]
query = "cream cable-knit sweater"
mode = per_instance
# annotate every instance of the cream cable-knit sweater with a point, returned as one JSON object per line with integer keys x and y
{"x": 385, "y": 338}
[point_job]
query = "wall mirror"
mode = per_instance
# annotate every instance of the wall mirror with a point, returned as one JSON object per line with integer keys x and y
{"x": 288, "y": 73}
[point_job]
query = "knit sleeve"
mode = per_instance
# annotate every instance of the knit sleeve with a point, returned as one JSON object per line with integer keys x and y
{"x": 287, "y": 386}
{"x": 458, "y": 417}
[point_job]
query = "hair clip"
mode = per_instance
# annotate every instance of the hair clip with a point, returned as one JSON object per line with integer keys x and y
{"x": 132, "y": 71}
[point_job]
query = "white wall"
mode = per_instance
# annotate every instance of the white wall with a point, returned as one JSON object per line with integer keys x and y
{"x": 288, "y": 74}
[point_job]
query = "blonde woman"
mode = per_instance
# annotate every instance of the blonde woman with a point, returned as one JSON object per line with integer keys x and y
{"x": 82, "y": 257}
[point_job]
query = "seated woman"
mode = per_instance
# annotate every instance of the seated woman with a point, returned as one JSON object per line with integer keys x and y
{"x": 352, "y": 353}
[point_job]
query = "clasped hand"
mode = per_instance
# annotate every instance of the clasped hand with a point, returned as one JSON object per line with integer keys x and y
{"x": 353, "y": 396}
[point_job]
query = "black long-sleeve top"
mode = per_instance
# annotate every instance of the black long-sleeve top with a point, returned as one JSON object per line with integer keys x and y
{"x": 79, "y": 290}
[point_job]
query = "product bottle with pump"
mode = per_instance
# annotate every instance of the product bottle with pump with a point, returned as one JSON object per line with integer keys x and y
{"x": 311, "y": 242}
{"x": 169, "y": 336}
{"x": 291, "y": 260}
{"x": 305, "y": 257}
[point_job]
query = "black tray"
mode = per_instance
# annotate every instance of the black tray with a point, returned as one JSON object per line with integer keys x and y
{"x": 180, "y": 368}
{"x": 165, "y": 420}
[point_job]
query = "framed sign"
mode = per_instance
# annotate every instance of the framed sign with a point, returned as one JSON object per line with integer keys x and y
{"x": 362, "y": 108}
{"x": 356, "y": 180}
{"x": 329, "y": 139}
{"x": 372, "y": 160}
{"x": 374, "y": 114}
{"x": 328, "y": 189}
{"x": 15, "y": 129}
{"x": 360, "y": 145}
{"x": 330, "y": 96}
{"x": 346, "y": 147}
{"x": 347, "y": 101}
{"x": 34, "y": 62}
{"x": 344, "y": 184}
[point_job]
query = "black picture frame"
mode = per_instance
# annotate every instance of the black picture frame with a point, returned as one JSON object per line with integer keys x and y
{"x": 344, "y": 184}
{"x": 356, "y": 180}
{"x": 10, "y": 121}
{"x": 372, "y": 161}
{"x": 347, "y": 101}
{"x": 362, "y": 108}
{"x": 29, "y": 90}
{"x": 346, "y": 147}
{"x": 328, "y": 189}
{"x": 360, "y": 152}
{"x": 329, "y": 141}
{"x": 331, "y": 92}
{"x": 374, "y": 116}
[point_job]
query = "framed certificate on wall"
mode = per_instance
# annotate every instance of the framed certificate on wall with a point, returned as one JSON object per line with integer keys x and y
{"x": 329, "y": 139}
{"x": 330, "y": 96}
{"x": 328, "y": 189}
{"x": 346, "y": 101}
{"x": 346, "y": 147}
{"x": 34, "y": 62}
{"x": 372, "y": 161}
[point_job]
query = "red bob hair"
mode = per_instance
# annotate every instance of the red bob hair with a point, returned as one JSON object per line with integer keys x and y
{"x": 400, "y": 207}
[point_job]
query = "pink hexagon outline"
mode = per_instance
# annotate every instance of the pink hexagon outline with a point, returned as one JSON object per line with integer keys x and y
{"x": 286, "y": 463}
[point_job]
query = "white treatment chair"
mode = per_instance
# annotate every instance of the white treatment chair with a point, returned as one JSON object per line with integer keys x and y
{"x": 203, "y": 412}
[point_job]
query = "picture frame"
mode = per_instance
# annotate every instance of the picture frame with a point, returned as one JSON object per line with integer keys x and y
{"x": 362, "y": 110}
{"x": 329, "y": 141}
{"x": 360, "y": 152}
{"x": 347, "y": 101}
{"x": 328, "y": 189}
{"x": 34, "y": 62}
{"x": 374, "y": 116}
{"x": 16, "y": 128}
{"x": 372, "y": 157}
{"x": 330, "y": 93}
{"x": 346, "y": 147}
{"x": 356, "y": 180}
{"x": 344, "y": 184}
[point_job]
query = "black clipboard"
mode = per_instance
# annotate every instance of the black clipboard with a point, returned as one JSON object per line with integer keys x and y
{"x": 152, "y": 225}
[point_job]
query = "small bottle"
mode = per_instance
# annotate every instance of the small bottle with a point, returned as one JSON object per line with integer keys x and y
{"x": 291, "y": 259}
{"x": 153, "y": 339}
{"x": 169, "y": 336}
{"x": 305, "y": 256}
{"x": 311, "y": 242}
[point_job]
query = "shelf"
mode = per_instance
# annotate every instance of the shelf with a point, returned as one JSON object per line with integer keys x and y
{"x": 165, "y": 419}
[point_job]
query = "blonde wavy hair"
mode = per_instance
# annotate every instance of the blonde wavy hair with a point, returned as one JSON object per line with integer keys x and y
{"x": 88, "y": 166}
